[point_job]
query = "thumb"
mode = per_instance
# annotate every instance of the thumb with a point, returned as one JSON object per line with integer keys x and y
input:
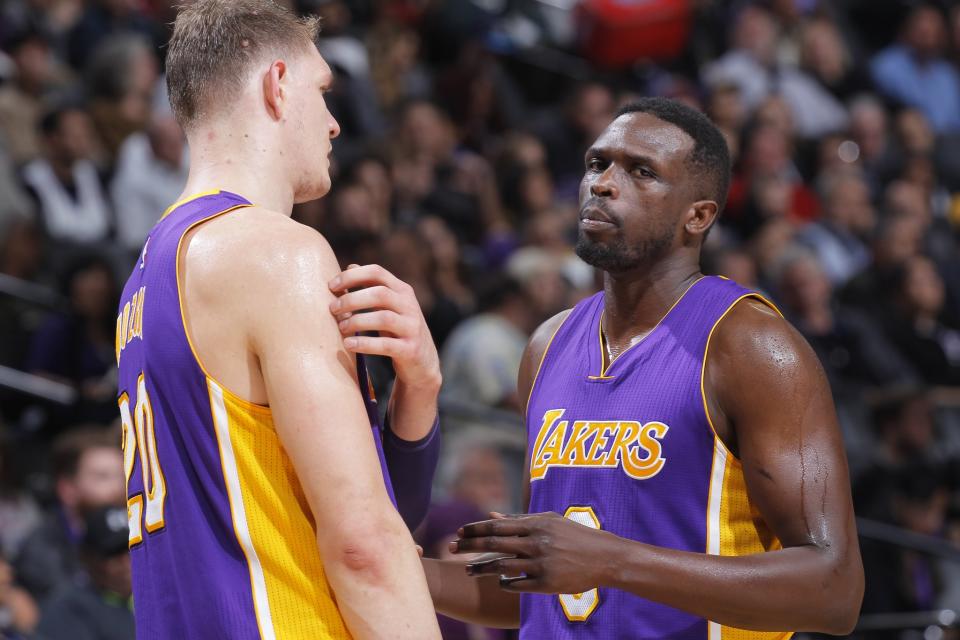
{"x": 352, "y": 266}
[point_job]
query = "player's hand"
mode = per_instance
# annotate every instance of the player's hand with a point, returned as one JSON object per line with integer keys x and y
{"x": 371, "y": 299}
{"x": 550, "y": 553}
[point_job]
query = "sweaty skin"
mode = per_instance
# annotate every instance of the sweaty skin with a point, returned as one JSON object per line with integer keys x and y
{"x": 787, "y": 436}
{"x": 277, "y": 282}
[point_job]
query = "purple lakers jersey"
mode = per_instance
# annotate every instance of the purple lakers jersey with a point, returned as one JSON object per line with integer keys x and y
{"x": 222, "y": 540}
{"x": 629, "y": 448}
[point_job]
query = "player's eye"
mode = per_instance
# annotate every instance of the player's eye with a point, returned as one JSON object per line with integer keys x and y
{"x": 643, "y": 172}
{"x": 595, "y": 164}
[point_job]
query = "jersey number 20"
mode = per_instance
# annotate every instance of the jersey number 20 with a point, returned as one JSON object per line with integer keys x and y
{"x": 580, "y": 606}
{"x": 138, "y": 435}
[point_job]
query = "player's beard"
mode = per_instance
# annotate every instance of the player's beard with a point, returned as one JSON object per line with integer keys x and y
{"x": 616, "y": 256}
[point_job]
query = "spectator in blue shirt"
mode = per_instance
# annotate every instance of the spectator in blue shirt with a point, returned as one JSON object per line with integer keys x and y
{"x": 915, "y": 72}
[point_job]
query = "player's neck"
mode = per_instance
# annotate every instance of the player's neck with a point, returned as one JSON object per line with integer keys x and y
{"x": 635, "y": 302}
{"x": 249, "y": 170}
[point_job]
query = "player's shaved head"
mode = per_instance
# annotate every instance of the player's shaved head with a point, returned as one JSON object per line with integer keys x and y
{"x": 215, "y": 45}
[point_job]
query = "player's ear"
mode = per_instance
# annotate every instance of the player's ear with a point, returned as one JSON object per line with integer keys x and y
{"x": 700, "y": 217}
{"x": 274, "y": 89}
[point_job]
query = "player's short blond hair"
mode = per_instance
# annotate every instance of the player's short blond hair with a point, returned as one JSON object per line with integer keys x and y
{"x": 216, "y": 42}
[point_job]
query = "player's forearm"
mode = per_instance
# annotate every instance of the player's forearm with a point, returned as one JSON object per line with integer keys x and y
{"x": 413, "y": 408}
{"x": 474, "y": 600}
{"x": 799, "y": 589}
{"x": 379, "y": 584}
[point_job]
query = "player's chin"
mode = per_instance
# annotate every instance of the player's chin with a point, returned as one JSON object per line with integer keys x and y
{"x": 317, "y": 188}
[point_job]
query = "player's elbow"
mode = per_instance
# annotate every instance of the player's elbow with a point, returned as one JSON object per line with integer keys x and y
{"x": 840, "y": 607}
{"x": 366, "y": 552}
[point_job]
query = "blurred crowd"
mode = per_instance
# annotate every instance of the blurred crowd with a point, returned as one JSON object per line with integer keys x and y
{"x": 464, "y": 124}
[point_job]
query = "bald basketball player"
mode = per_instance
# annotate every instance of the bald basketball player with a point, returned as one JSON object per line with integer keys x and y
{"x": 685, "y": 473}
{"x": 258, "y": 499}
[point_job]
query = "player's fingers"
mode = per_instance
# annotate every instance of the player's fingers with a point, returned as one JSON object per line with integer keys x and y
{"x": 504, "y": 566}
{"x": 388, "y": 321}
{"x": 376, "y": 346}
{"x": 523, "y": 584}
{"x": 505, "y": 526}
{"x": 366, "y": 275}
{"x": 378, "y": 297}
{"x": 511, "y": 545}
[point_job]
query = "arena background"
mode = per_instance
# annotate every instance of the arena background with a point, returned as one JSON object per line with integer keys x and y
{"x": 464, "y": 126}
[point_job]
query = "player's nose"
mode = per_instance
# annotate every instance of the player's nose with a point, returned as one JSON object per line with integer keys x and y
{"x": 605, "y": 185}
{"x": 334, "y": 127}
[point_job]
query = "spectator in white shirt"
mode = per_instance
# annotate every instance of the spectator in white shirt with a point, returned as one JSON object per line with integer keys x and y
{"x": 65, "y": 182}
{"x": 151, "y": 171}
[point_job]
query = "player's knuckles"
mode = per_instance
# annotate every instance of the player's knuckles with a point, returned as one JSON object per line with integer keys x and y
{"x": 405, "y": 289}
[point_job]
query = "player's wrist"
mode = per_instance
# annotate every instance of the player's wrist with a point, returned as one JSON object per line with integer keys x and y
{"x": 618, "y": 559}
{"x": 424, "y": 390}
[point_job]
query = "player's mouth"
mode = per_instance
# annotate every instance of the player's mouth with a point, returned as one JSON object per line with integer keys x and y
{"x": 595, "y": 218}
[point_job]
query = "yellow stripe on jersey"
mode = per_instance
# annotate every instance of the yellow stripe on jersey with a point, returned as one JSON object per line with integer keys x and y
{"x": 734, "y": 525}
{"x": 735, "y": 528}
{"x": 273, "y": 524}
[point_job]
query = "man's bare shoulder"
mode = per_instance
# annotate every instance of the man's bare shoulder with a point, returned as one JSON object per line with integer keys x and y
{"x": 258, "y": 250}
{"x": 754, "y": 342}
{"x": 758, "y": 334}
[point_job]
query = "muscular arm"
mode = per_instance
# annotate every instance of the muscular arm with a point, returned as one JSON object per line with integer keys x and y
{"x": 770, "y": 402}
{"x": 367, "y": 552}
{"x": 481, "y": 600}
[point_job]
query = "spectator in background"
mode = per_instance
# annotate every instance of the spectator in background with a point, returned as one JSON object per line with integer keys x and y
{"x": 767, "y": 155}
{"x": 735, "y": 264}
{"x": 878, "y": 152}
{"x": 15, "y": 203}
{"x": 407, "y": 255}
{"x": 353, "y": 99}
{"x": 121, "y": 78}
{"x": 65, "y": 182}
{"x": 449, "y": 274}
{"x": 588, "y": 110}
{"x": 88, "y": 474}
{"x": 920, "y": 326}
{"x": 752, "y": 66}
{"x": 853, "y": 351}
{"x": 101, "y": 607}
{"x": 106, "y": 20}
{"x": 897, "y": 239}
{"x": 726, "y": 109}
{"x": 475, "y": 474}
{"x": 825, "y": 56}
{"x": 459, "y": 186}
{"x": 150, "y": 174}
{"x": 22, "y": 100}
{"x": 78, "y": 347}
{"x": 396, "y": 73}
{"x": 837, "y": 239}
{"x": 905, "y": 580}
{"x": 915, "y": 72}
{"x": 19, "y": 513}
{"x": 481, "y": 357}
{"x": 18, "y": 611}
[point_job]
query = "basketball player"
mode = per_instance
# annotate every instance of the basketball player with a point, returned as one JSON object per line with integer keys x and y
{"x": 257, "y": 501}
{"x": 685, "y": 472}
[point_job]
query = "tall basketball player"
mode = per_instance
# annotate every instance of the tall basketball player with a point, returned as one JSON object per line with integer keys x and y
{"x": 257, "y": 498}
{"x": 683, "y": 449}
